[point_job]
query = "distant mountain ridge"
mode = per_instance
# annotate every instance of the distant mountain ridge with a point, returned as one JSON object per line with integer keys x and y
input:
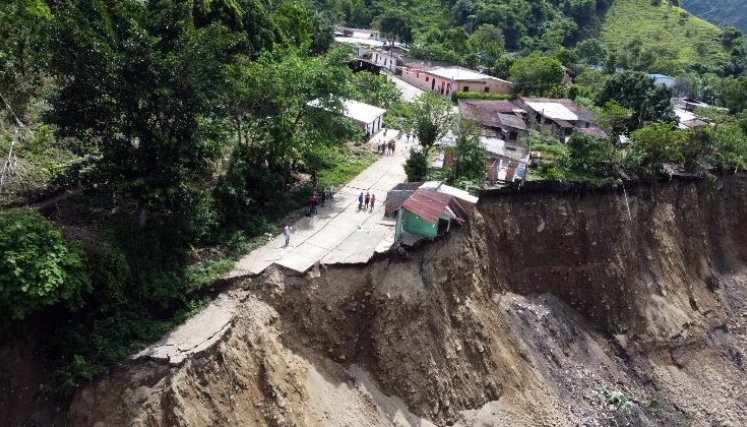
{"x": 724, "y": 13}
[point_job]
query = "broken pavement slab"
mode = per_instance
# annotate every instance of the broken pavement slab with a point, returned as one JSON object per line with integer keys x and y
{"x": 196, "y": 335}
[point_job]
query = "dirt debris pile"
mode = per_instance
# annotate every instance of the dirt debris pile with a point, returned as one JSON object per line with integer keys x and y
{"x": 535, "y": 313}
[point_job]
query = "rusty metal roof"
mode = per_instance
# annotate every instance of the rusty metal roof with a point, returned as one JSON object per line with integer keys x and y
{"x": 430, "y": 205}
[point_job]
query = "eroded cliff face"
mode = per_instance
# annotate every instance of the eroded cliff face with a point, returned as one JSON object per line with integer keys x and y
{"x": 525, "y": 316}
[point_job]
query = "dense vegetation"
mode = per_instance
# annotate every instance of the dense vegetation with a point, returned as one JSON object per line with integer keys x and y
{"x": 164, "y": 138}
{"x": 647, "y": 35}
{"x": 725, "y": 13}
{"x": 169, "y": 136}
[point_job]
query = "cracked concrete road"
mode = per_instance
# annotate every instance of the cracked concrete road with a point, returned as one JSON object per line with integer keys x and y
{"x": 340, "y": 233}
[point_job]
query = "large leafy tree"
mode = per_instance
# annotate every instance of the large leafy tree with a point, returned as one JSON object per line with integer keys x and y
{"x": 734, "y": 93}
{"x": 470, "y": 160}
{"x": 22, "y": 33}
{"x": 395, "y": 25}
{"x": 138, "y": 80}
{"x": 432, "y": 118}
{"x": 536, "y": 74}
{"x": 635, "y": 90}
{"x": 286, "y": 110}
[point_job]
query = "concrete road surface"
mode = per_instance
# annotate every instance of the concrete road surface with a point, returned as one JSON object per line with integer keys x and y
{"x": 409, "y": 92}
{"x": 340, "y": 233}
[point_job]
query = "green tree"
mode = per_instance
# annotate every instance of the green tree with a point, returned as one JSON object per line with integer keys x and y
{"x": 374, "y": 89}
{"x": 614, "y": 119}
{"x": 536, "y": 74}
{"x": 635, "y": 90}
{"x": 734, "y": 93}
{"x": 487, "y": 42}
{"x": 470, "y": 160}
{"x": 502, "y": 66}
{"x": 143, "y": 90}
{"x": 730, "y": 146}
{"x": 416, "y": 166}
{"x": 590, "y": 155}
{"x": 23, "y": 33}
{"x": 432, "y": 118}
{"x": 395, "y": 25}
{"x": 295, "y": 21}
{"x": 653, "y": 145}
{"x": 38, "y": 267}
{"x": 592, "y": 51}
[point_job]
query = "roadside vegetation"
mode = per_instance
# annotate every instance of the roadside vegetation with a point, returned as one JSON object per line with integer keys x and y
{"x": 159, "y": 141}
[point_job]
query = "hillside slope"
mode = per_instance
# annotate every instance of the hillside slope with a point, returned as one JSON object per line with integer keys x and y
{"x": 660, "y": 38}
{"x": 532, "y": 314}
{"x": 725, "y": 13}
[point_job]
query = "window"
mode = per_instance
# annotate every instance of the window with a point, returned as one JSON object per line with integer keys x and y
{"x": 427, "y": 79}
{"x": 487, "y": 90}
{"x": 466, "y": 88}
{"x": 512, "y": 135}
{"x": 548, "y": 121}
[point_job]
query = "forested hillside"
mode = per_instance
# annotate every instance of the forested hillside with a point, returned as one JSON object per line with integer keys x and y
{"x": 660, "y": 37}
{"x": 725, "y": 13}
{"x": 649, "y": 35}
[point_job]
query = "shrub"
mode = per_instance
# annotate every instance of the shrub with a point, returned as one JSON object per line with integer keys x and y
{"x": 482, "y": 95}
{"x": 416, "y": 167}
{"x": 37, "y": 266}
{"x": 618, "y": 400}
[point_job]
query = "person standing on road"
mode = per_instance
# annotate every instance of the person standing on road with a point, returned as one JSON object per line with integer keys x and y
{"x": 367, "y": 200}
{"x": 394, "y": 146}
{"x": 331, "y": 192}
{"x": 373, "y": 200}
{"x": 313, "y": 202}
{"x": 287, "y": 230}
{"x": 360, "y": 201}
{"x": 324, "y": 195}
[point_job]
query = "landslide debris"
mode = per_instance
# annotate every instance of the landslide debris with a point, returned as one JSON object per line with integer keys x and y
{"x": 549, "y": 308}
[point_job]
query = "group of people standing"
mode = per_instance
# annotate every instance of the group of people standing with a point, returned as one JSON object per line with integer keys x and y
{"x": 387, "y": 148}
{"x": 321, "y": 196}
{"x": 366, "y": 202}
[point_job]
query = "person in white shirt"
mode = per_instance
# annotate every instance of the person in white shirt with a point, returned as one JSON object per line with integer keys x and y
{"x": 287, "y": 230}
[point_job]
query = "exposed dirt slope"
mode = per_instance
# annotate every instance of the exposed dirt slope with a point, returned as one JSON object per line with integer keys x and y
{"x": 526, "y": 316}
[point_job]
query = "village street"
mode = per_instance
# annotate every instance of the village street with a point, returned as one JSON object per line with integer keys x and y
{"x": 409, "y": 92}
{"x": 340, "y": 233}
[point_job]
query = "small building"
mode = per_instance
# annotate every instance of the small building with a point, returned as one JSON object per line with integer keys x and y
{"x": 556, "y": 116}
{"x": 368, "y": 117}
{"x": 500, "y": 119}
{"x": 389, "y": 57}
{"x": 447, "y": 80}
{"x": 507, "y": 161}
{"x": 429, "y": 213}
{"x": 425, "y": 210}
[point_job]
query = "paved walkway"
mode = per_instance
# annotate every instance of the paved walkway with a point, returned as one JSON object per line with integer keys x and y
{"x": 340, "y": 233}
{"x": 409, "y": 92}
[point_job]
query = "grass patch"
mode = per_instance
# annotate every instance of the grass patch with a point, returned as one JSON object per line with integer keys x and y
{"x": 671, "y": 34}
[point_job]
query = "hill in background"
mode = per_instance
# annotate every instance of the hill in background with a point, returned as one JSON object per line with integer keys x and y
{"x": 725, "y": 13}
{"x": 661, "y": 38}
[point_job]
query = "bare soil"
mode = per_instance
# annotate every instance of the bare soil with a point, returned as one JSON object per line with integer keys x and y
{"x": 531, "y": 314}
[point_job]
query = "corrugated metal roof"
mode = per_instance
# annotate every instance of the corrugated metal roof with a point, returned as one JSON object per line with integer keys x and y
{"x": 427, "y": 204}
{"x": 563, "y": 123}
{"x": 452, "y": 191}
{"x": 512, "y": 121}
